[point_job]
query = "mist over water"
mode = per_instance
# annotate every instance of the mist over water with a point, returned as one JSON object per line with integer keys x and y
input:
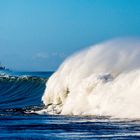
{"x": 102, "y": 80}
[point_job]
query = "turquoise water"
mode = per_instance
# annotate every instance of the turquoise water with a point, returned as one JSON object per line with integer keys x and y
{"x": 21, "y": 92}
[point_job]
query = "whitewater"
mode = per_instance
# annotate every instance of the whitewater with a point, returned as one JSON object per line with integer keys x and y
{"x": 102, "y": 80}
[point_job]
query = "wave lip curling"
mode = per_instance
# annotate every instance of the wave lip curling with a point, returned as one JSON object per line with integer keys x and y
{"x": 101, "y": 80}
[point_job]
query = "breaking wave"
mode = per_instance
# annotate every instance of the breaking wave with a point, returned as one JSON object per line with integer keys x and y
{"x": 20, "y": 93}
{"x": 102, "y": 80}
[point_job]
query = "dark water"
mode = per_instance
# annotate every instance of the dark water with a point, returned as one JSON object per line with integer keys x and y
{"x": 21, "y": 92}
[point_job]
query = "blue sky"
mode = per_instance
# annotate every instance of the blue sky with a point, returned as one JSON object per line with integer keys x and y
{"x": 39, "y": 34}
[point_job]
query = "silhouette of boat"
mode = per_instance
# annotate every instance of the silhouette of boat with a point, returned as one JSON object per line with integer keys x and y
{"x": 3, "y": 67}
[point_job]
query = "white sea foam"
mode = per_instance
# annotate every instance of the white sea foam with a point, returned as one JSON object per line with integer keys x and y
{"x": 101, "y": 80}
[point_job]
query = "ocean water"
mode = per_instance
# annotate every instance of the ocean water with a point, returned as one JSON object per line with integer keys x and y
{"x": 20, "y": 97}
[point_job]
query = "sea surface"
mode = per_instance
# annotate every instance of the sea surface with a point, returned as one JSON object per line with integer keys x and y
{"x": 20, "y": 94}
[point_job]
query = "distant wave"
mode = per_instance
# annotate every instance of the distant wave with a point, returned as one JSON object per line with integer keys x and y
{"x": 101, "y": 80}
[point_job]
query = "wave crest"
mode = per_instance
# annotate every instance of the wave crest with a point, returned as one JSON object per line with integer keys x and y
{"x": 101, "y": 80}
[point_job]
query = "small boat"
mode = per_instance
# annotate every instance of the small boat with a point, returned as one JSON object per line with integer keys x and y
{"x": 3, "y": 67}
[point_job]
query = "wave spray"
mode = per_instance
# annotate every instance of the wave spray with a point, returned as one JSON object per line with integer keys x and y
{"x": 101, "y": 80}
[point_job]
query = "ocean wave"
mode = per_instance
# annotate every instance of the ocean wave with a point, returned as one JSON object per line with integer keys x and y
{"x": 20, "y": 92}
{"x": 7, "y": 77}
{"x": 102, "y": 80}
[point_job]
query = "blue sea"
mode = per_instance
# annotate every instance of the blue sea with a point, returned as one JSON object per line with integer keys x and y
{"x": 21, "y": 92}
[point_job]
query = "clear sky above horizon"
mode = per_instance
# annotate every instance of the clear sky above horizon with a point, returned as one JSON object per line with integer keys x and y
{"x": 39, "y": 34}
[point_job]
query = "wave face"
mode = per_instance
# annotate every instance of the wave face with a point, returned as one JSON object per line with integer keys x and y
{"x": 101, "y": 80}
{"x": 20, "y": 93}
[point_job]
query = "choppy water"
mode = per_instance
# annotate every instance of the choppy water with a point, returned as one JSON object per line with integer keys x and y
{"x": 21, "y": 92}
